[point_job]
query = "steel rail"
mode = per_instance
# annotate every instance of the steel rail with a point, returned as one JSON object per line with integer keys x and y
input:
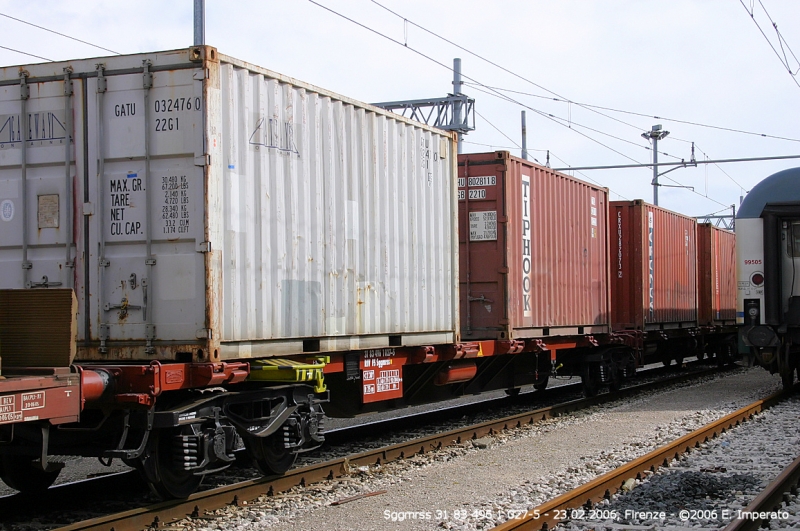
{"x": 545, "y": 516}
{"x": 166, "y": 513}
{"x": 769, "y": 500}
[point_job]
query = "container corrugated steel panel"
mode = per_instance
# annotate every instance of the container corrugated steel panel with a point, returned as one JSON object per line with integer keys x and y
{"x": 238, "y": 212}
{"x": 716, "y": 281}
{"x": 654, "y": 271}
{"x": 533, "y": 250}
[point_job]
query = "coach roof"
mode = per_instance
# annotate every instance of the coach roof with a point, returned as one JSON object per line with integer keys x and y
{"x": 779, "y": 188}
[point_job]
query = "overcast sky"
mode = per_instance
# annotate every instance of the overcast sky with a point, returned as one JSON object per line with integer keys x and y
{"x": 700, "y": 61}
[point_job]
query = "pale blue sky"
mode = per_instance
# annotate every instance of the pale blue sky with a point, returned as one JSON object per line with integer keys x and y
{"x": 701, "y": 61}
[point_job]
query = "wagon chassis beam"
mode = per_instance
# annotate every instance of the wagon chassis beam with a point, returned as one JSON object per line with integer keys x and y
{"x": 165, "y": 512}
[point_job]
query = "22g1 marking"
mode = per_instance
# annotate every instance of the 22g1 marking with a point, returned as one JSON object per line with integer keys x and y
{"x": 166, "y": 124}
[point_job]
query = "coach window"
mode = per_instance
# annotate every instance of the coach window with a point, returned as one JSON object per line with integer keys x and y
{"x": 793, "y": 243}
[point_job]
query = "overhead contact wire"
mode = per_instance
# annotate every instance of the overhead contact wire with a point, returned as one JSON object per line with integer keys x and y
{"x": 405, "y": 45}
{"x": 589, "y": 178}
{"x": 569, "y": 122}
{"x": 25, "y": 53}
{"x": 57, "y": 33}
{"x": 785, "y": 64}
{"x": 632, "y": 113}
{"x": 376, "y": 32}
{"x": 541, "y": 113}
{"x": 496, "y": 65}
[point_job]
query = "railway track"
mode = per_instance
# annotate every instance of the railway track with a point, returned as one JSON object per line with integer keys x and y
{"x": 341, "y": 431}
{"x": 563, "y": 390}
{"x": 768, "y": 503}
{"x": 200, "y": 504}
{"x": 581, "y": 502}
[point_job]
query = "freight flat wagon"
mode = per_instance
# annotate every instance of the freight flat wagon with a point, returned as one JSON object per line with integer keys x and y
{"x": 198, "y": 254}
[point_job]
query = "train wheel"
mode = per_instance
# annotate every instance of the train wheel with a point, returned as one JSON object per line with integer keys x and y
{"x": 722, "y": 357}
{"x": 269, "y": 454}
{"x": 19, "y": 472}
{"x": 786, "y": 367}
{"x": 616, "y": 379}
{"x": 541, "y": 384}
{"x": 590, "y": 379}
{"x": 163, "y": 467}
{"x": 787, "y": 378}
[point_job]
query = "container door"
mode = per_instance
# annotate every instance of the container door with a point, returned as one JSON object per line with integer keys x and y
{"x": 148, "y": 273}
{"x": 37, "y": 183}
{"x": 482, "y": 239}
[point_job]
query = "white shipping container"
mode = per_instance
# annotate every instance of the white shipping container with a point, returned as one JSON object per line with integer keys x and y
{"x": 209, "y": 209}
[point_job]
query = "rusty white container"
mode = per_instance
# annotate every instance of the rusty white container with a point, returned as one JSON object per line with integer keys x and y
{"x": 204, "y": 208}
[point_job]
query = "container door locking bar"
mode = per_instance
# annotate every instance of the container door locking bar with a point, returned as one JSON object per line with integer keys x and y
{"x": 123, "y": 307}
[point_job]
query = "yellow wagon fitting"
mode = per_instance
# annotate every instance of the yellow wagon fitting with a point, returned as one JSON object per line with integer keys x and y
{"x": 286, "y": 371}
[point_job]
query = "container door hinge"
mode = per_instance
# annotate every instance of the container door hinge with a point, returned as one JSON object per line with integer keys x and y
{"x": 150, "y": 332}
{"x": 67, "y": 81}
{"x": 24, "y": 89}
{"x": 204, "y": 333}
{"x": 200, "y": 74}
{"x": 204, "y": 247}
{"x": 147, "y": 75}
{"x": 102, "y": 85}
{"x": 150, "y": 261}
{"x": 88, "y": 209}
{"x": 203, "y": 160}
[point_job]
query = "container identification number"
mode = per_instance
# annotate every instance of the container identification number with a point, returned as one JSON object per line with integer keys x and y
{"x": 479, "y": 193}
{"x": 482, "y": 181}
{"x": 486, "y": 180}
{"x": 173, "y": 105}
{"x": 177, "y": 105}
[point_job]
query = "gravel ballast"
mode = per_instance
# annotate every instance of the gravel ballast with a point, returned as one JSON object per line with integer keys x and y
{"x": 714, "y": 484}
{"x": 477, "y": 484}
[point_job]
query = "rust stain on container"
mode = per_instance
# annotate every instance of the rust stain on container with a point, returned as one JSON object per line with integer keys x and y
{"x": 716, "y": 275}
{"x": 533, "y": 247}
{"x": 654, "y": 273}
{"x": 276, "y": 199}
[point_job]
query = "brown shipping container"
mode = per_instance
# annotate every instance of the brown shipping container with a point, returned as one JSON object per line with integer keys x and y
{"x": 716, "y": 281}
{"x": 654, "y": 267}
{"x": 533, "y": 250}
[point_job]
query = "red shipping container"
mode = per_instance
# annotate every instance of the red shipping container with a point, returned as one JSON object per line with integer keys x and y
{"x": 654, "y": 267}
{"x": 533, "y": 250}
{"x": 716, "y": 282}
